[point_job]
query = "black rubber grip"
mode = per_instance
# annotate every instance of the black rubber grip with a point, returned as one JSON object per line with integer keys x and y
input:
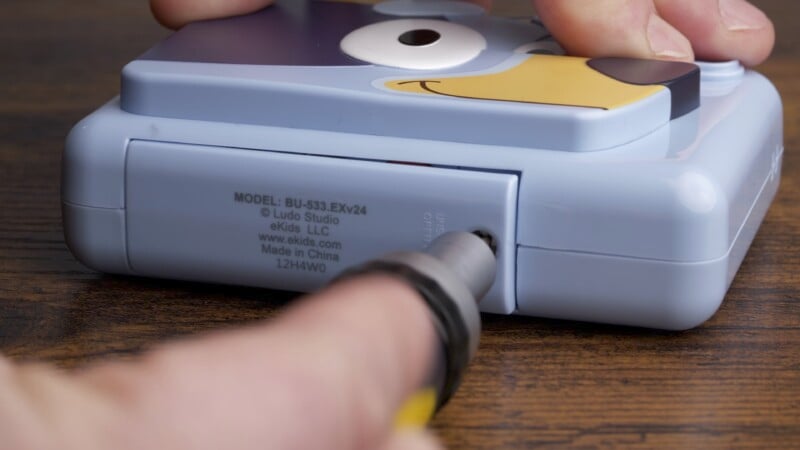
{"x": 453, "y": 330}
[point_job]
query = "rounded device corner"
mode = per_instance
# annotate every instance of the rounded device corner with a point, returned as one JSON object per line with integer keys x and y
{"x": 96, "y": 237}
{"x": 93, "y": 161}
{"x": 691, "y": 312}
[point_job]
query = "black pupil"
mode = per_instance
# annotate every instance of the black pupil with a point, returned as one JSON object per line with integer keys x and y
{"x": 419, "y": 37}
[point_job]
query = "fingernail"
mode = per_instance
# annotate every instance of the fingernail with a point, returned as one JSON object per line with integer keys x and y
{"x": 665, "y": 41}
{"x": 739, "y": 15}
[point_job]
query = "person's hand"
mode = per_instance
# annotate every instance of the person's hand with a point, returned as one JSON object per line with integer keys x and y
{"x": 329, "y": 374}
{"x": 333, "y": 370}
{"x": 662, "y": 29}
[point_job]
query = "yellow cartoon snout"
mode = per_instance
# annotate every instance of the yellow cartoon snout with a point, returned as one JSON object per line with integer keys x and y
{"x": 543, "y": 79}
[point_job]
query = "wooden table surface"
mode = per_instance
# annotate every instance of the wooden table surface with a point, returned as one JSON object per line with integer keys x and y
{"x": 734, "y": 382}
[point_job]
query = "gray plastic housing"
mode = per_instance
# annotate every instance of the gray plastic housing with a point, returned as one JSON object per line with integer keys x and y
{"x": 648, "y": 232}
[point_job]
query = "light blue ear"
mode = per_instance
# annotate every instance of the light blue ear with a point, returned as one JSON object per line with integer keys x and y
{"x": 429, "y": 8}
{"x": 293, "y": 33}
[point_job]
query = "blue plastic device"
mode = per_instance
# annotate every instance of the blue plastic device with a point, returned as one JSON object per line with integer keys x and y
{"x": 279, "y": 148}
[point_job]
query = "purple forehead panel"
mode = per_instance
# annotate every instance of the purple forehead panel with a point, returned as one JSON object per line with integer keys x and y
{"x": 294, "y": 32}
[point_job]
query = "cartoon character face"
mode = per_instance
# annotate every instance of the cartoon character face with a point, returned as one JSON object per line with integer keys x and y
{"x": 360, "y": 68}
{"x": 607, "y": 83}
{"x": 554, "y": 80}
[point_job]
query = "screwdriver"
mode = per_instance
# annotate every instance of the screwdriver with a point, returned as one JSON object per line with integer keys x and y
{"x": 452, "y": 275}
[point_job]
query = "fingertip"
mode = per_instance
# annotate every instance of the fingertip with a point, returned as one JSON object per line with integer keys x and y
{"x": 749, "y": 33}
{"x": 620, "y": 28}
{"x": 177, "y": 13}
{"x": 759, "y": 50}
{"x": 666, "y": 42}
{"x": 166, "y": 14}
{"x": 740, "y": 15}
{"x": 722, "y": 30}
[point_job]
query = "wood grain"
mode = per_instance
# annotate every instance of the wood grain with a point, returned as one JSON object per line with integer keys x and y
{"x": 732, "y": 383}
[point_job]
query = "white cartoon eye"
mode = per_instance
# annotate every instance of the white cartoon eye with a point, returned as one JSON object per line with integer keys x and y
{"x": 545, "y": 47}
{"x": 422, "y": 44}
